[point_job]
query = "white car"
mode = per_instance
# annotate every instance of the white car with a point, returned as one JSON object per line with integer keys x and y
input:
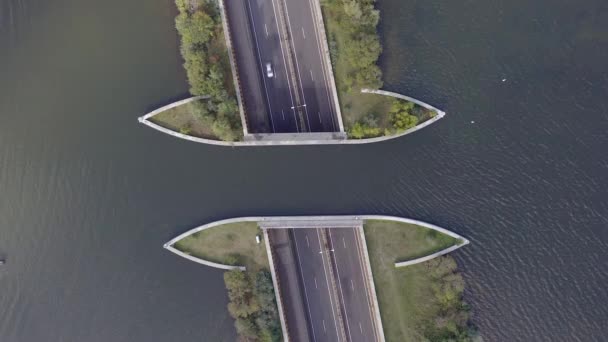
{"x": 269, "y": 72}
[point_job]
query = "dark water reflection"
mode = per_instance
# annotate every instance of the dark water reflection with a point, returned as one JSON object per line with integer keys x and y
{"x": 88, "y": 195}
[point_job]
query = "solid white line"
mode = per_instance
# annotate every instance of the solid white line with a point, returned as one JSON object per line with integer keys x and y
{"x": 285, "y": 65}
{"x": 255, "y": 35}
{"x": 341, "y": 292}
{"x": 295, "y": 55}
{"x": 311, "y": 75}
{"x": 365, "y": 285}
{"x": 303, "y": 34}
{"x": 266, "y": 28}
{"x": 305, "y": 291}
{"x": 323, "y": 66}
{"x": 328, "y": 287}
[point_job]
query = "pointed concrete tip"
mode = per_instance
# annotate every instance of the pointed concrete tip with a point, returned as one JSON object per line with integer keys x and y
{"x": 166, "y": 245}
{"x": 140, "y": 119}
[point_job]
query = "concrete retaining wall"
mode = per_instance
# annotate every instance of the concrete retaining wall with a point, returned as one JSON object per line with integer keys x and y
{"x": 172, "y": 105}
{"x": 251, "y": 140}
{"x": 235, "y": 75}
{"x": 276, "y": 221}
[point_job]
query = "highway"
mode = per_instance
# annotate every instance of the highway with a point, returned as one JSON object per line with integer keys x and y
{"x": 333, "y": 290}
{"x": 298, "y": 97}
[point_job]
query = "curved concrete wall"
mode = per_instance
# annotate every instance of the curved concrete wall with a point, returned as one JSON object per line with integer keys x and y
{"x": 172, "y": 105}
{"x": 287, "y": 142}
{"x": 169, "y": 244}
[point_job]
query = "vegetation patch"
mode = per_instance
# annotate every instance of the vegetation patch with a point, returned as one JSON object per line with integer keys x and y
{"x": 251, "y": 294}
{"x": 228, "y": 244}
{"x": 253, "y": 306}
{"x": 208, "y": 69}
{"x": 422, "y": 302}
{"x": 354, "y": 49}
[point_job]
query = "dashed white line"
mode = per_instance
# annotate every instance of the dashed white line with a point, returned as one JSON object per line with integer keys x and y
{"x": 360, "y": 328}
{"x": 340, "y": 287}
{"x": 285, "y": 65}
{"x": 331, "y": 303}
{"x": 344, "y": 242}
{"x": 260, "y": 58}
{"x": 311, "y": 75}
{"x": 352, "y": 285}
{"x": 314, "y": 338}
{"x": 303, "y": 34}
{"x": 307, "y": 243}
{"x": 316, "y": 286}
{"x": 266, "y": 28}
{"x": 283, "y": 113}
{"x": 324, "y": 329}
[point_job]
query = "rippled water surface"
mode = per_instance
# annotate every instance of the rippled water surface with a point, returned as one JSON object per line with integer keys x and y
{"x": 88, "y": 196}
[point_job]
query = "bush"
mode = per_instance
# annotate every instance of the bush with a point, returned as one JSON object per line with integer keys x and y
{"x": 200, "y": 30}
{"x": 252, "y": 305}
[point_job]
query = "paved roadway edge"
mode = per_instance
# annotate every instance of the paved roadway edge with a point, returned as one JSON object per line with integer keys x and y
{"x": 275, "y": 283}
{"x": 287, "y": 142}
{"x": 235, "y": 78}
{"x": 170, "y": 243}
{"x": 325, "y": 47}
{"x": 370, "y": 280}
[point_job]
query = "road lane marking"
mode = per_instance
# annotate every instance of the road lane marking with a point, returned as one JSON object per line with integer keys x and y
{"x": 324, "y": 68}
{"x": 319, "y": 114}
{"x": 360, "y": 328}
{"x": 352, "y": 285}
{"x": 283, "y": 113}
{"x": 340, "y": 286}
{"x": 285, "y": 65}
{"x": 307, "y": 243}
{"x": 316, "y": 286}
{"x": 266, "y": 28}
{"x": 366, "y": 288}
{"x": 295, "y": 55}
{"x": 328, "y": 287}
{"x": 324, "y": 329}
{"x": 344, "y": 242}
{"x": 305, "y": 290}
{"x": 255, "y": 36}
{"x": 303, "y": 34}
{"x": 311, "y": 75}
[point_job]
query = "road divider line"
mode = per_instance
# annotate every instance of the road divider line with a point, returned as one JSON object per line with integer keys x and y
{"x": 331, "y": 243}
{"x": 303, "y": 34}
{"x": 255, "y": 36}
{"x": 304, "y": 284}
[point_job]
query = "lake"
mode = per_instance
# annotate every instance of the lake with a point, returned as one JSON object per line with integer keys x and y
{"x": 89, "y": 195}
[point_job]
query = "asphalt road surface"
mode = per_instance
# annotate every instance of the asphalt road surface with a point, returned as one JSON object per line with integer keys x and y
{"x": 353, "y": 287}
{"x": 324, "y": 303}
{"x": 299, "y": 83}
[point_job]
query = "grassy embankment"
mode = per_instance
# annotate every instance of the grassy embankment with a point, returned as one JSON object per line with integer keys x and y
{"x": 251, "y": 293}
{"x": 422, "y": 302}
{"x": 354, "y": 48}
{"x": 208, "y": 69}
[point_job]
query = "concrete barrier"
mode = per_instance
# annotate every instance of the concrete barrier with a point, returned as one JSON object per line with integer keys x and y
{"x": 284, "y": 140}
{"x": 276, "y": 221}
{"x": 172, "y": 105}
{"x": 235, "y": 75}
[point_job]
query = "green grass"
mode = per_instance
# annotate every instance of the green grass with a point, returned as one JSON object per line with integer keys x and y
{"x": 230, "y": 244}
{"x": 405, "y": 295}
{"x": 354, "y": 104}
{"x": 184, "y": 119}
